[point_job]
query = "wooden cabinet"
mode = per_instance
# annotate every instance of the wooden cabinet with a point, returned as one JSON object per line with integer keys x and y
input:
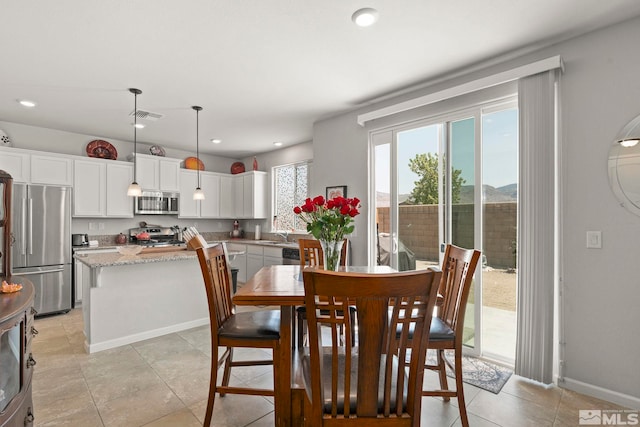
{"x": 157, "y": 173}
{"x": 100, "y": 189}
{"x": 16, "y": 368}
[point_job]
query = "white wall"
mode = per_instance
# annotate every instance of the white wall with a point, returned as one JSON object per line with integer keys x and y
{"x": 600, "y": 93}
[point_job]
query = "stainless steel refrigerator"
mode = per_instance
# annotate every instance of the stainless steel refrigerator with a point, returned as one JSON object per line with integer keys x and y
{"x": 41, "y": 250}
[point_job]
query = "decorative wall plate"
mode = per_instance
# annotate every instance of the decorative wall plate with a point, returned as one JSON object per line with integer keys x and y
{"x": 237, "y": 167}
{"x": 102, "y": 150}
{"x": 193, "y": 163}
{"x": 157, "y": 150}
{"x": 4, "y": 139}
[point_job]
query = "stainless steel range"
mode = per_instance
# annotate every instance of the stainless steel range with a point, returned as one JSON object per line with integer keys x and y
{"x": 158, "y": 236}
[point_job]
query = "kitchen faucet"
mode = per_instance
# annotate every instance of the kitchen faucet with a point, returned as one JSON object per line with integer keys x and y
{"x": 284, "y": 235}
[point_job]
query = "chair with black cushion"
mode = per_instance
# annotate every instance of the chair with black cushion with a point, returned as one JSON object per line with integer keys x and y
{"x": 255, "y": 329}
{"x": 458, "y": 268}
{"x": 311, "y": 255}
{"x": 379, "y": 381}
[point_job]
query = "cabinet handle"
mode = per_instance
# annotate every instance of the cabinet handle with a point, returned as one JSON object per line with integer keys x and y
{"x": 29, "y": 418}
{"x": 31, "y": 361}
{"x": 34, "y": 331}
{"x": 34, "y": 311}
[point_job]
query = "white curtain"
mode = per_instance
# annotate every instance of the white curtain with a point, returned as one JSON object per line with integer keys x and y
{"x": 536, "y": 225}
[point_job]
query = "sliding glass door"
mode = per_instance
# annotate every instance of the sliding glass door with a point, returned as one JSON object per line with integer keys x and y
{"x": 453, "y": 179}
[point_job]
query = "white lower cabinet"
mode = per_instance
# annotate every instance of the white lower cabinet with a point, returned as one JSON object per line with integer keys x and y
{"x": 239, "y": 261}
{"x": 272, "y": 256}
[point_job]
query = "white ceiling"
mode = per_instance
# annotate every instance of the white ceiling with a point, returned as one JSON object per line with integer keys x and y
{"x": 263, "y": 70}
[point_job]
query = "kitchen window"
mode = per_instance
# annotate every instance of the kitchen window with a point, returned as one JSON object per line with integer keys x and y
{"x": 291, "y": 188}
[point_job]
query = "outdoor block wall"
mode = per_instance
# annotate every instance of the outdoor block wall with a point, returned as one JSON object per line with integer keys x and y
{"x": 419, "y": 230}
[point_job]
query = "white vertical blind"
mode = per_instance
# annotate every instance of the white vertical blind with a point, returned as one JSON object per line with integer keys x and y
{"x": 536, "y": 226}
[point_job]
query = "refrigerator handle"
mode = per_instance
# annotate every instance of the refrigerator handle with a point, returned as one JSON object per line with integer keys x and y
{"x": 23, "y": 230}
{"x": 37, "y": 270}
{"x": 30, "y": 226}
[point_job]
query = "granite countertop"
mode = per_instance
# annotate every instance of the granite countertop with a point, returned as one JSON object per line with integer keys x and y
{"x": 116, "y": 259}
{"x": 266, "y": 243}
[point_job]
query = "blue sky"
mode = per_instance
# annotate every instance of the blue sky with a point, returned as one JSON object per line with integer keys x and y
{"x": 500, "y": 165}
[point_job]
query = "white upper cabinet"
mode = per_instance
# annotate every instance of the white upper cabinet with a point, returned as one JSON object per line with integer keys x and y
{"x": 89, "y": 188}
{"x": 227, "y": 207}
{"x": 51, "y": 170}
{"x": 36, "y": 167}
{"x": 169, "y": 174}
{"x": 16, "y": 163}
{"x": 157, "y": 173}
{"x": 119, "y": 176}
{"x": 189, "y": 208}
{"x": 210, "y": 184}
{"x": 251, "y": 195}
{"x": 100, "y": 189}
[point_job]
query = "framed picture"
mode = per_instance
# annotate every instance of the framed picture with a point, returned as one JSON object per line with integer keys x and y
{"x": 336, "y": 191}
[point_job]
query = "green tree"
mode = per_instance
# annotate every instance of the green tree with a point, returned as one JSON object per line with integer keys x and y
{"x": 425, "y": 191}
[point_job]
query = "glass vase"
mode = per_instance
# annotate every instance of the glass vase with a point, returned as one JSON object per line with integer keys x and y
{"x": 331, "y": 251}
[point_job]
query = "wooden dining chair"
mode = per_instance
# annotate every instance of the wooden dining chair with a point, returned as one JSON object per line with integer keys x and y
{"x": 311, "y": 255}
{"x": 379, "y": 381}
{"x": 255, "y": 329}
{"x": 447, "y": 328}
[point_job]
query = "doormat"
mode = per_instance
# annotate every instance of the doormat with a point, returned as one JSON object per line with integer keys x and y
{"x": 486, "y": 375}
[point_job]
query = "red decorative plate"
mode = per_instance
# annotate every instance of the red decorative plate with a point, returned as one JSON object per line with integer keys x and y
{"x": 102, "y": 150}
{"x": 237, "y": 167}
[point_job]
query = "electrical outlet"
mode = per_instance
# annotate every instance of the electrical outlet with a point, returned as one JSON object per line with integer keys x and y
{"x": 101, "y": 226}
{"x": 92, "y": 226}
{"x": 594, "y": 239}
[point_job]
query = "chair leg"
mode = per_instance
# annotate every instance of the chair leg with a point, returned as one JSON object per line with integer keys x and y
{"x": 442, "y": 373}
{"x": 460, "y": 390}
{"x": 227, "y": 369}
{"x": 213, "y": 379}
{"x": 301, "y": 330}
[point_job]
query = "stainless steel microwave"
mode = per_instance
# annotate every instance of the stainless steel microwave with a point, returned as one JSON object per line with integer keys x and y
{"x": 157, "y": 203}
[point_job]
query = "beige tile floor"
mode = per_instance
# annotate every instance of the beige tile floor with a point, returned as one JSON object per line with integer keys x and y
{"x": 164, "y": 382}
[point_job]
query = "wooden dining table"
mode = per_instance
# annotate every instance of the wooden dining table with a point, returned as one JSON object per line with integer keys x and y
{"x": 282, "y": 285}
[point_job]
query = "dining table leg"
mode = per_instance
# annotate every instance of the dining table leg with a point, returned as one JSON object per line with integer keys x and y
{"x": 282, "y": 384}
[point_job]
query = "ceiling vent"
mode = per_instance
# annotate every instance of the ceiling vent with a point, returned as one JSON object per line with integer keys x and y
{"x": 146, "y": 115}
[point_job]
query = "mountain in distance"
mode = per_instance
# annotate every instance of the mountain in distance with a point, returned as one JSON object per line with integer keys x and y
{"x": 506, "y": 193}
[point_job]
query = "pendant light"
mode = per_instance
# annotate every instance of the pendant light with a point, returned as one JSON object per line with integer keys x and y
{"x": 198, "y": 194}
{"x": 134, "y": 188}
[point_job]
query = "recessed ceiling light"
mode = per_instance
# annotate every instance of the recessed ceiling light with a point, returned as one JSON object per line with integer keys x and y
{"x": 277, "y": 144}
{"x": 27, "y": 103}
{"x": 216, "y": 141}
{"x": 365, "y": 17}
{"x": 138, "y": 125}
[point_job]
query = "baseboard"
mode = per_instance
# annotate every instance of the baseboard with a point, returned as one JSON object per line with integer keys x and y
{"x": 621, "y": 399}
{"x": 130, "y": 339}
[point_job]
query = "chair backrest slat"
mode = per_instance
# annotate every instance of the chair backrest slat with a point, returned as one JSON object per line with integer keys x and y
{"x": 458, "y": 268}
{"x": 311, "y": 254}
{"x": 217, "y": 280}
{"x": 378, "y": 387}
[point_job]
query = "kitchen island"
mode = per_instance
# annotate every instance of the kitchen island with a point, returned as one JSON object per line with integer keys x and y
{"x": 133, "y": 298}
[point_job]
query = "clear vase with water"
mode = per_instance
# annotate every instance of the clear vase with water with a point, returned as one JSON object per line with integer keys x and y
{"x": 331, "y": 251}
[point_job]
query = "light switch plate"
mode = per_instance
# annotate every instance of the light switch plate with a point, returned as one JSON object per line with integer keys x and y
{"x": 594, "y": 239}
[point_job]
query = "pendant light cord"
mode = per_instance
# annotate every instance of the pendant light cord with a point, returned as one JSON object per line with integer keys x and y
{"x": 135, "y": 136}
{"x": 198, "y": 144}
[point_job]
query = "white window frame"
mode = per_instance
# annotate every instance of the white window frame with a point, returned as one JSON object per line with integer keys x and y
{"x": 274, "y": 192}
